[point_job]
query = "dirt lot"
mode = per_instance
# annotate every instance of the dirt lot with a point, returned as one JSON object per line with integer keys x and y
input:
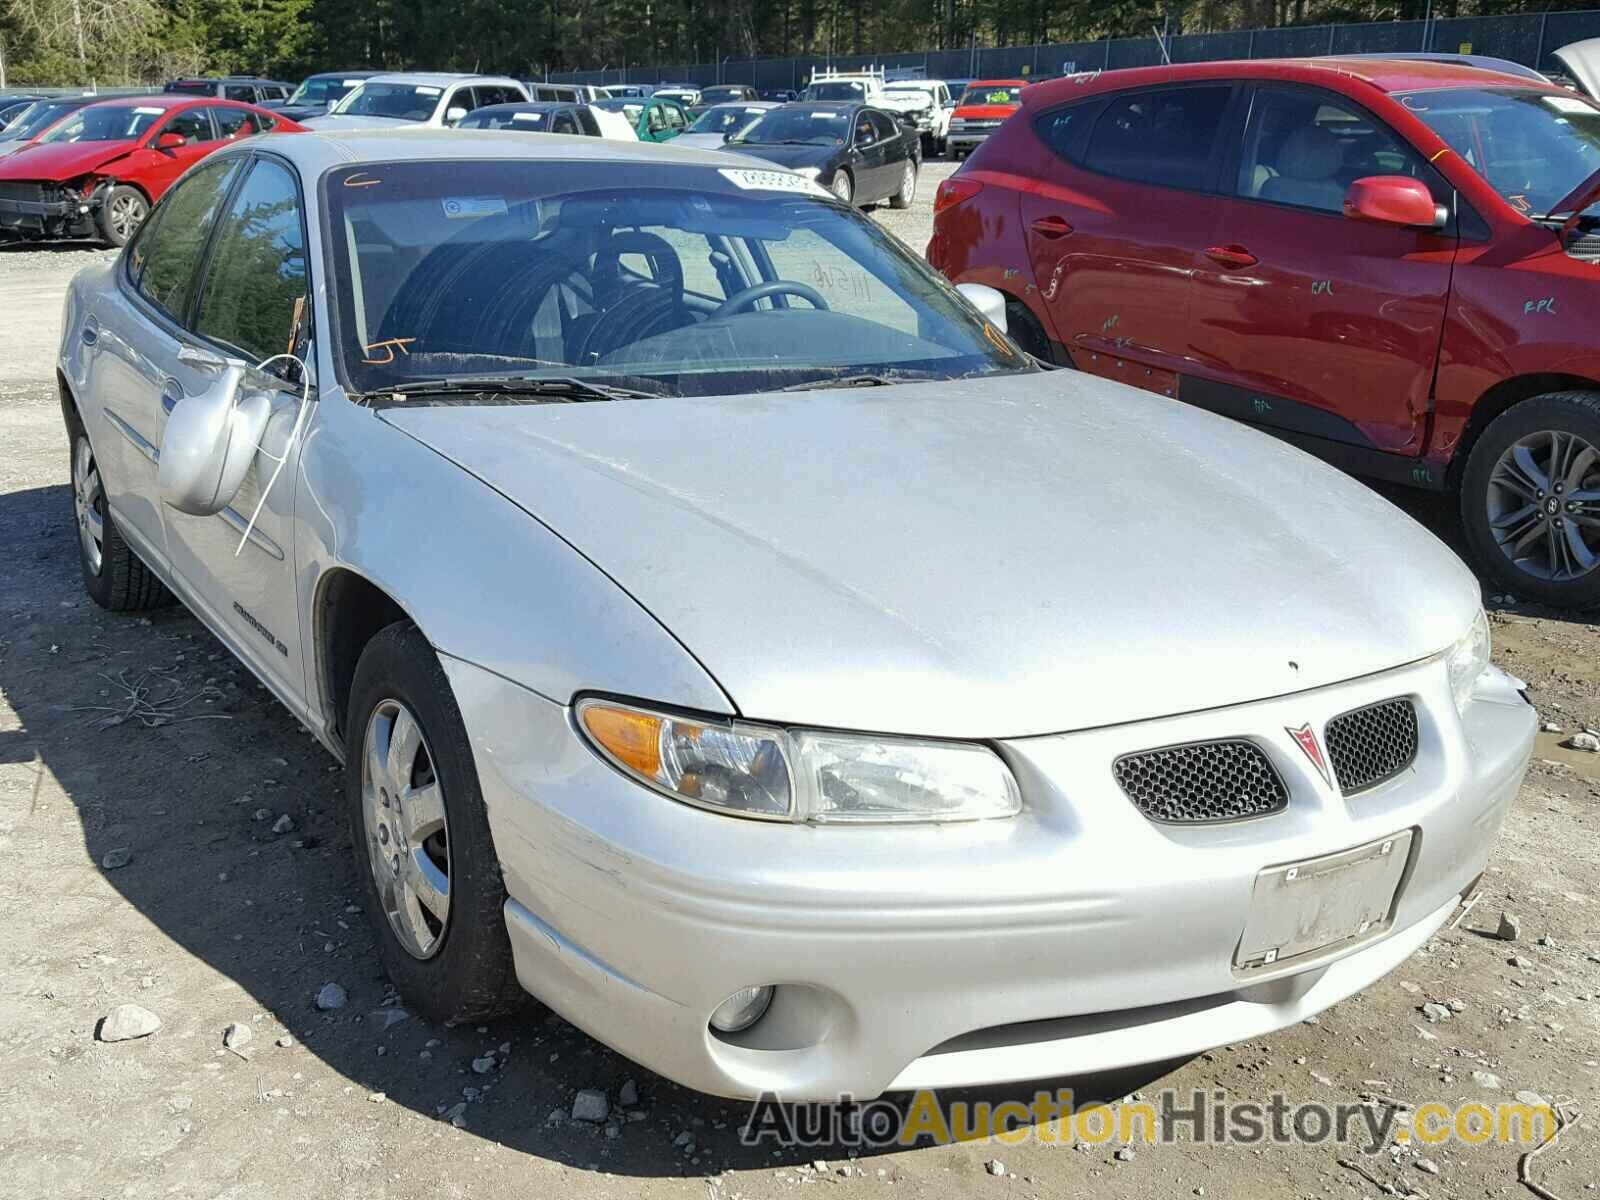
{"x": 215, "y": 919}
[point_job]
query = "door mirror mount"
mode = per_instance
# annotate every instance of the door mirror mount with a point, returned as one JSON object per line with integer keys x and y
{"x": 453, "y": 114}
{"x": 210, "y": 441}
{"x": 990, "y": 303}
{"x": 1393, "y": 200}
{"x": 171, "y": 141}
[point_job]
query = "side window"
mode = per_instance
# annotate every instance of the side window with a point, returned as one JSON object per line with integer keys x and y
{"x": 1306, "y": 147}
{"x": 192, "y": 123}
{"x": 166, "y": 254}
{"x": 255, "y": 282}
{"x": 675, "y": 117}
{"x": 591, "y": 127}
{"x": 236, "y": 122}
{"x": 656, "y": 119}
{"x": 866, "y": 134}
{"x": 885, "y": 125}
{"x": 1164, "y": 137}
{"x": 487, "y": 95}
{"x": 239, "y": 91}
{"x": 460, "y": 98}
{"x": 563, "y": 122}
{"x": 1066, "y": 130}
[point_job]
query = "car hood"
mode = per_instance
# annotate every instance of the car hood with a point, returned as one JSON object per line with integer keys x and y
{"x": 699, "y": 141}
{"x": 62, "y": 160}
{"x": 998, "y": 558}
{"x": 347, "y": 121}
{"x": 1582, "y": 59}
{"x": 787, "y": 156}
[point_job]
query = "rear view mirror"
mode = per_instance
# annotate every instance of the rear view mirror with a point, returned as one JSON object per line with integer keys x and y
{"x": 171, "y": 141}
{"x": 210, "y": 441}
{"x": 991, "y": 305}
{"x": 454, "y": 114}
{"x": 1392, "y": 200}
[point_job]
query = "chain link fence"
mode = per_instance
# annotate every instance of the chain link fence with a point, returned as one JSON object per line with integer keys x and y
{"x": 1527, "y": 38}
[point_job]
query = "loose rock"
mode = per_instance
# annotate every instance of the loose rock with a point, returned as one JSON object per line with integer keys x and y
{"x": 237, "y": 1036}
{"x": 588, "y": 1105}
{"x": 482, "y": 1066}
{"x": 1435, "y": 1012}
{"x": 628, "y": 1094}
{"x": 114, "y": 859}
{"x": 1586, "y": 742}
{"x": 995, "y": 1167}
{"x": 126, "y": 1022}
{"x": 284, "y": 824}
{"x": 1427, "y": 1166}
{"x": 1124, "y": 1155}
{"x": 332, "y": 996}
{"x": 1510, "y": 928}
{"x": 1486, "y": 1079}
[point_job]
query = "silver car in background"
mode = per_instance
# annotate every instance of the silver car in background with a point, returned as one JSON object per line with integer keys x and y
{"x": 734, "y": 640}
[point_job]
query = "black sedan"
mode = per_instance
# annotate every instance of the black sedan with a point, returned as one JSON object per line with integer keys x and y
{"x": 860, "y": 154}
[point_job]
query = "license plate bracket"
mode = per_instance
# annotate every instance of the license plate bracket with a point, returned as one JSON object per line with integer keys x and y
{"x": 1319, "y": 906}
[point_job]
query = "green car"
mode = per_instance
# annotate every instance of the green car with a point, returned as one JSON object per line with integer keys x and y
{"x": 655, "y": 119}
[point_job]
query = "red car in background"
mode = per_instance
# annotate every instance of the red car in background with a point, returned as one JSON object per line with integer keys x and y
{"x": 99, "y": 172}
{"x": 1393, "y": 264}
{"x": 979, "y": 111}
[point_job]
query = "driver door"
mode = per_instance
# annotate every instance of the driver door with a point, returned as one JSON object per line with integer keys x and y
{"x": 868, "y": 159}
{"x": 165, "y": 166}
{"x": 252, "y": 304}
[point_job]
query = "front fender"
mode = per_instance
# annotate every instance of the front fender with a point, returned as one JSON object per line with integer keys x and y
{"x": 485, "y": 581}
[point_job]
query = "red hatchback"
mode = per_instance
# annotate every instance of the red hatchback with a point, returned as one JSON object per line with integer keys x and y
{"x": 1393, "y": 264}
{"x": 99, "y": 171}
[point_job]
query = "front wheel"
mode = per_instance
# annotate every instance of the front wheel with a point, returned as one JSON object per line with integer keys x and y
{"x": 121, "y": 213}
{"x": 843, "y": 187}
{"x": 1530, "y": 499}
{"x": 431, "y": 881}
{"x": 908, "y": 187}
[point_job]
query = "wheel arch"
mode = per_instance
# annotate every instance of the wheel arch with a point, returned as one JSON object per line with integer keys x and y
{"x": 347, "y": 611}
{"x": 70, "y": 413}
{"x": 1501, "y": 398}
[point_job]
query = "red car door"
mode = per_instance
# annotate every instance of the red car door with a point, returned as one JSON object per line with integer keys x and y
{"x": 1304, "y": 319}
{"x": 1117, "y": 229}
{"x": 159, "y": 168}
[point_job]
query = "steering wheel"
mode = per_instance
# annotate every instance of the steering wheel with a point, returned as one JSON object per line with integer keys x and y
{"x": 778, "y": 287}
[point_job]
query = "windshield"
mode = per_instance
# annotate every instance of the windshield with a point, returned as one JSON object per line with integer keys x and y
{"x": 397, "y": 101}
{"x": 843, "y": 89}
{"x": 664, "y": 278}
{"x": 110, "y": 123}
{"x": 991, "y": 93}
{"x": 39, "y": 116}
{"x": 910, "y": 91}
{"x": 323, "y": 91}
{"x": 1533, "y": 147}
{"x": 724, "y": 118}
{"x": 799, "y": 126}
{"x": 721, "y": 95}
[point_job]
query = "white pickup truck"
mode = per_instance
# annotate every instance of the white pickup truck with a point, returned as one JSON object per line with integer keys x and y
{"x": 928, "y": 102}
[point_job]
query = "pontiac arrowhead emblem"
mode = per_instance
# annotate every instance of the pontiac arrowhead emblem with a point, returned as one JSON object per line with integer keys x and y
{"x": 1307, "y": 741}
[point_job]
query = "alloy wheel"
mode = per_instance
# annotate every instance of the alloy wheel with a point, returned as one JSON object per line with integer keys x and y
{"x": 908, "y": 182}
{"x": 88, "y": 504}
{"x": 1544, "y": 505}
{"x": 841, "y": 187}
{"x": 127, "y": 214}
{"x": 408, "y": 836}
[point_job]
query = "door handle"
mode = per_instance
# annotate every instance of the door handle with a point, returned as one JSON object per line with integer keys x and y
{"x": 205, "y": 360}
{"x": 171, "y": 393}
{"x": 1051, "y": 227}
{"x": 1232, "y": 255}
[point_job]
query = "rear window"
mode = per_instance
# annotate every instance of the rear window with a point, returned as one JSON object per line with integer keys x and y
{"x": 1163, "y": 137}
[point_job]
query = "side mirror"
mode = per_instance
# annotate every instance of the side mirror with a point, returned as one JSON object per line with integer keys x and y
{"x": 991, "y": 305}
{"x": 171, "y": 141}
{"x": 454, "y": 114}
{"x": 1392, "y": 200}
{"x": 210, "y": 441}
{"x": 727, "y": 134}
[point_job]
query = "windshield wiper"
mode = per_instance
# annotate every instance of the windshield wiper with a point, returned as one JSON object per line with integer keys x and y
{"x": 525, "y": 389}
{"x": 851, "y": 381}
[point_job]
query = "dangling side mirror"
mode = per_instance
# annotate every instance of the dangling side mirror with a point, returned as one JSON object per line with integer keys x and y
{"x": 989, "y": 302}
{"x": 210, "y": 441}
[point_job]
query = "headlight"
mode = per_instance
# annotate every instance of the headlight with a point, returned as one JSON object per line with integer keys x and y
{"x": 1468, "y": 659}
{"x": 779, "y": 774}
{"x": 810, "y": 173}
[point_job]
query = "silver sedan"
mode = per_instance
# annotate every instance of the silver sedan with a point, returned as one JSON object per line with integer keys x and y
{"x": 735, "y": 641}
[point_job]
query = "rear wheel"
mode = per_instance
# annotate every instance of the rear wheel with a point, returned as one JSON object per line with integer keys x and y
{"x": 121, "y": 213}
{"x": 431, "y": 880}
{"x": 1530, "y": 499}
{"x": 908, "y": 187}
{"x": 113, "y": 574}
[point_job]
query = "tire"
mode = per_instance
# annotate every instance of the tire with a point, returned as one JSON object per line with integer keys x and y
{"x": 113, "y": 575}
{"x": 1025, "y": 330}
{"x": 908, "y": 187}
{"x": 1534, "y": 530}
{"x": 427, "y": 817}
{"x": 121, "y": 213}
{"x": 843, "y": 187}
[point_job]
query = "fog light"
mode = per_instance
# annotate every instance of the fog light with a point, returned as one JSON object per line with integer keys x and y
{"x": 742, "y": 1009}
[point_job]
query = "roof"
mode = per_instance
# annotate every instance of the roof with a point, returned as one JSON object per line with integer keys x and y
{"x": 437, "y": 78}
{"x": 1382, "y": 74}
{"x": 319, "y": 150}
{"x": 160, "y": 100}
{"x": 530, "y": 106}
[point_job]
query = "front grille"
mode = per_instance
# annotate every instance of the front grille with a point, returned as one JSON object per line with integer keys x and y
{"x": 1200, "y": 782}
{"x": 1372, "y": 744}
{"x": 27, "y": 190}
{"x": 1585, "y": 244}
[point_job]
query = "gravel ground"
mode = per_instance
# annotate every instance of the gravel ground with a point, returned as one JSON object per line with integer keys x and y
{"x": 143, "y": 866}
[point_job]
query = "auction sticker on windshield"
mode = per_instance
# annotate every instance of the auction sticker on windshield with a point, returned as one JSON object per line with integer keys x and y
{"x": 456, "y": 207}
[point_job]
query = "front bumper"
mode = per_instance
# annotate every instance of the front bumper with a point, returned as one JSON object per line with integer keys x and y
{"x": 43, "y": 218}
{"x": 1077, "y": 936}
